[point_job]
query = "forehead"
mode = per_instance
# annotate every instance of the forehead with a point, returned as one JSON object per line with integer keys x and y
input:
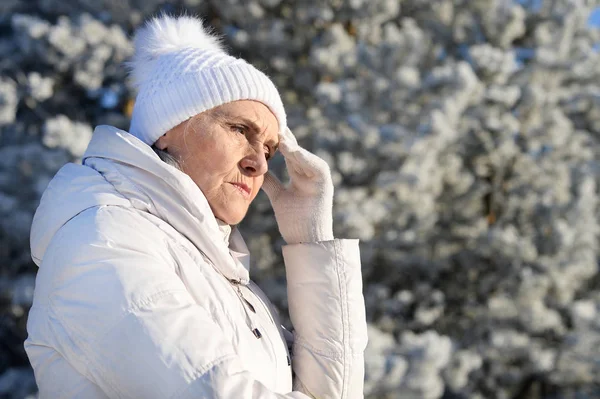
{"x": 252, "y": 111}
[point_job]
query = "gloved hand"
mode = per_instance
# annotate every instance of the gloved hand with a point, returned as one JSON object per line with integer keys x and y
{"x": 304, "y": 207}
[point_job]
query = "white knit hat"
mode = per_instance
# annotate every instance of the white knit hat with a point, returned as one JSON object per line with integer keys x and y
{"x": 181, "y": 70}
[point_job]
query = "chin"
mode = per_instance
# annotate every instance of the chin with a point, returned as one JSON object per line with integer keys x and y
{"x": 231, "y": 218}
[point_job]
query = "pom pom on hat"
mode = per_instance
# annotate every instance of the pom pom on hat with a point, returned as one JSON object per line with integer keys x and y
{"x": 181, "y": 69}
{"x": 166, "y": 34}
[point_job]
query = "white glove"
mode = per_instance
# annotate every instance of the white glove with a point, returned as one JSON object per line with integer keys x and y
{"x": 304, "y": 207}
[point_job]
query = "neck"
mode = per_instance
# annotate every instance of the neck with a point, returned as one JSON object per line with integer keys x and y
{"x": 225, "y": 230}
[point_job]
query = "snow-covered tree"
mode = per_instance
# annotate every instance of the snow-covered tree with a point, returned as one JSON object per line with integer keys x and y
{"x": 464, "y": 139}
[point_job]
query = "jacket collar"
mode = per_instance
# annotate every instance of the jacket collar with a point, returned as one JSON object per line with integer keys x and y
{"x": 153, "y": 186}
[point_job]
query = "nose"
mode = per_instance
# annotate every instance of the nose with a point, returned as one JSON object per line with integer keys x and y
{"x": 254, "y": 165}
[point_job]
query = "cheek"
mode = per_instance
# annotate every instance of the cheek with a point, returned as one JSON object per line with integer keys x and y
{"x": 212, "y": 162}
{"x": 258, "y": 182}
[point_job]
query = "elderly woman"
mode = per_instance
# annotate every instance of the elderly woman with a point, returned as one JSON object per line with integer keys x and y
{"x": 143, "y": 289}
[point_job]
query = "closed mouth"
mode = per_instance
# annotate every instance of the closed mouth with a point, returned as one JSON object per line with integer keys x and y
{"x": 242, "y": 188}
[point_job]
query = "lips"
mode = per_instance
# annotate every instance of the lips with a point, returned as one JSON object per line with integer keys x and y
{"x": 243, "y": 189}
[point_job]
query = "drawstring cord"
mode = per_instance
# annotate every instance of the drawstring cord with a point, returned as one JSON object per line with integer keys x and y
{"x": 250, "y": 321}
{"x": 246, "y": 304}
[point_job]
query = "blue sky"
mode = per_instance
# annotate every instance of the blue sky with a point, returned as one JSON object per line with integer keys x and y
{"x": 595, "y": 17}
{"x": 593, "y": 20}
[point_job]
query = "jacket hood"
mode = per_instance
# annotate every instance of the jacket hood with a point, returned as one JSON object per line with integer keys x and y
{"x": 119, "y": 169}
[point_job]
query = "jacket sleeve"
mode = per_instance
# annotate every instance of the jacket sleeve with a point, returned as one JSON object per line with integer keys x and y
{"x": 327, "y": 311}
{"x": 123, "y": 318}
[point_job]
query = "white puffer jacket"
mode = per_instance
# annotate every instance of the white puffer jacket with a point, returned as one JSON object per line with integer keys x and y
{"x": 138, "y": 295}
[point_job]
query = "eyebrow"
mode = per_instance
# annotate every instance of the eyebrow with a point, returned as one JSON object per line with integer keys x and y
{"x": 252, "y": 125}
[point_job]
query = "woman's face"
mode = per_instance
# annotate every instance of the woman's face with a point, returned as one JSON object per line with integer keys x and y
{"x": 225, "y": 151}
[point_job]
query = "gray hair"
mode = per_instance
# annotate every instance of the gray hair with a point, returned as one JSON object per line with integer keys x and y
{"x": 167, "y": 158}
{"x": 170, "y": 159}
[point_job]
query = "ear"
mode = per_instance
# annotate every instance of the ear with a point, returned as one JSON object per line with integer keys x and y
{"x": 162, "y": 142}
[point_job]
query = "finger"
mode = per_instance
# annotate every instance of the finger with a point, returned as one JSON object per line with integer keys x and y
{"x": 288, "y": 139}
{"x": 306, "y": 163}
{"x": 272, "y": 186}
{"x": 286, "y": 148}
{"x": 300, "y": 161}
{"x": 293, "y": 167}
{"x": 288, "y": 136}
{"x": 292, "y": 162}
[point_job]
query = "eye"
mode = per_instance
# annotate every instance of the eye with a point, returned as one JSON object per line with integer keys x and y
{"x": 267, "y": 153}
{"x": 239, "y": 129}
